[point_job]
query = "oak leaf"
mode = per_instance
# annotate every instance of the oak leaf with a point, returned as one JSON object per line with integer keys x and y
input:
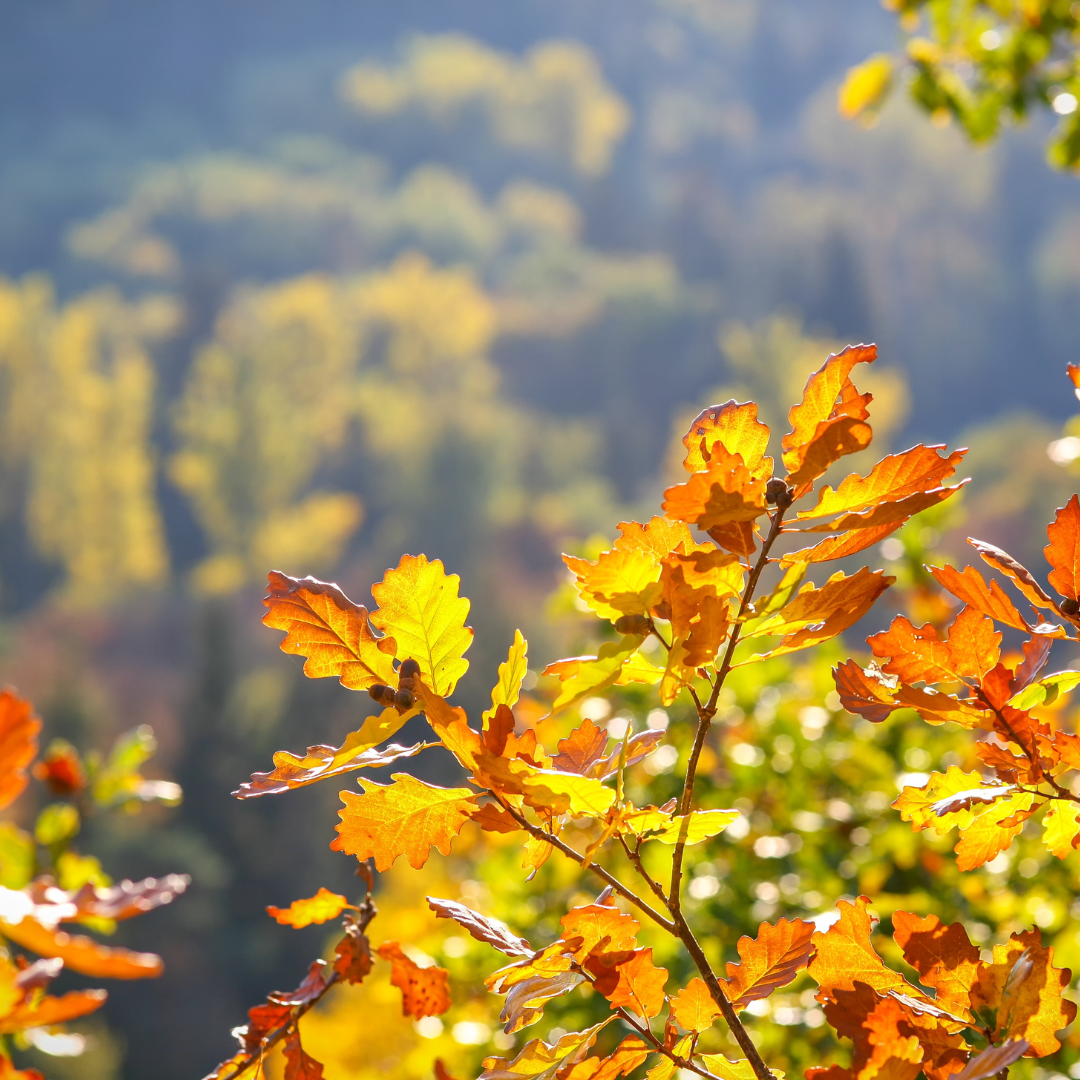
{"x": 626, "y": 1057}
{"x": 321, "y": 762}
{"x": 406, "y": 818}
{"x": 944, "y": 957}
{"x": 419, "y": 608}
{"x": 620, "y": 582}
{"x": 451, "y": 725}
{"x": 769, "y": 961}
{"x": 972, "y": 588}
{"x": 19, "y": 729}
{"x": 512, "y": 672}
{"x": 734, "y": 426}
{"x": 300, "y": 1065}
{"x": 596, "y": 925}
{"x": 919, "y": 654}
{"x": 585, "y": 676}
{"x": 581, "y": 749}
{"x": 629, "y": 980}
{"x": 1019, "y": 574}
{"x": 823, "y": 429}
{"x": 693, "y": 1007}
{"x": 1063, "y": 550}
{"x": 725, "y": 493}
{"x": 721, "y": 1067}
{"x": 482, "y": 927}
{"x": 539, "y": 1060}
{"x": 320, "y": 908}
{"x": 839, "y": 547}
{"x": 322, "y": 624}
{"x": 993, "y": 1060}
{"x": 81, "y": 953}
{"x": 525, "y": 1000}
{"x": 845, "y": 955}
{"x": 1061, "y": 829}
{"x": 666, "y": 1067}
{"x": 893, "y": 478}
{"x": 353, "y": 961}
{"x": 659, "y": 535}
{"x": 424, "y": 991}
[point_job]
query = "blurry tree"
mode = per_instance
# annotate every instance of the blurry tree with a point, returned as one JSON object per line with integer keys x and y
{"x": 986, "y": 63}
{"x": 554, "y": 101}
{"x": 86, "y": 463}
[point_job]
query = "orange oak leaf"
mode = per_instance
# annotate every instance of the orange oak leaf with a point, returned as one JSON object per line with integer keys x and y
{"x": 353, "y": 960}
{"x": 19, "y": 729}
{"x": 623, "y": 581}
{"x": 320, "y": 908}
{"x": 441, "y": 1071}
{"x": 844, "y": 954}
{"x": 322, "y": 624}
{"x": 734, "y": 426}
{"x": 660, "y": 535}
{"x": 838, "y": 547}
{"x": 693, "y": 1008}
{"x": 1016, "y": 572}
{"x": 769, "y": 961}
{"x": 420, "y": 610}
{"x": 1063, "y": 550}
{"x": 822, "y": 430}
{"x": 816, "y": 615}
{"x": 726, "y": 492}
{"x": 889, "y": 513}
{"x": 627, "y": 1056}
{"x": 52, "y": 1010}
{"x": 895, "y": 1050}
{"x": 482, "y": 927}
{"x": 919, "y": 654}
{"x": 893, "y": 478}
{"x": 629, "y": 980}
{"x": 581, "y": 749}
{"x": 424, "y": 991}
{"x": 451, "y": 725}
{"x": 972, "y": 588}
{"x": 599, "y": 927}
{"x": 81, "y": 953}
{"x": 300, "y": 1065}
{"x": 944, "y": 957}
{"x": 539, "y": 1060}
{"x": 406, "y": 818}
{"x": 1030, "y": 1005}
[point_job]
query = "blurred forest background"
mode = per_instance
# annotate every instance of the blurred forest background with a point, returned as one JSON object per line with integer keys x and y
{"x": 307, "y": 285}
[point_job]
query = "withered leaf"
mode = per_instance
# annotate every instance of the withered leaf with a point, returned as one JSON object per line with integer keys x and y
{"x": 482, "y": 927}
{"x": 993, "y": 1060}
{"x": 353, "y": 961}
{"x": 424, "y": 991}
{"x": 300, "y": 1065}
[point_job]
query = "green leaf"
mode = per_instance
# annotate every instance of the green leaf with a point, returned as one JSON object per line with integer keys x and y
{"x": 1045, "y": 691}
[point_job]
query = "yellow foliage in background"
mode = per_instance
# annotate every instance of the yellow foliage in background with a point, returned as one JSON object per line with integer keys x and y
{"x": 264, "y": 402}
{"x": 554, "y": 101}
{"x": 77, "y": 412}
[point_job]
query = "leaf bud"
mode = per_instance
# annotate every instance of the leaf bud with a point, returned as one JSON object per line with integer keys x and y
{"x": 409, "y": 669}
{"x": 633, "y": 624}
{"x": 403, "y": 701}
{"x": 777, "y": 493}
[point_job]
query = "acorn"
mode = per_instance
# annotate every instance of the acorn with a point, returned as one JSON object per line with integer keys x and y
{"x": 633, "y": 624}
{"x": 1069, "y": 608}
{"x": 777, "y": 493}
{"x": 384, "y": 695}
{"x": 409, "y": 669}
{"x": 403, "y": 700}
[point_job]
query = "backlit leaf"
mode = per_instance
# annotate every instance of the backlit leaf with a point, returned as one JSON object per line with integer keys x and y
{"x": 81, "y": 953}
{"x": 972, "y": 588}
{"x": 300, "y": 1065}
{"x": 1019, "y": 574}
{"x": 726, "y": 492}
{"x": 584, "y": 676}
{"x": 420, "y": 609}
{"x": 865, "y": 85}
{"x": 693, "y": 1008}
{"x": 320, "y": 908}
{"x": 993, "y": 1060}
{"x": 424, "y": 991}
{"x": 734, "y": 426}
{"x": 539, "y": 1060}
{"x": 320, "y": 762}
{"x": 322, "y": 624}
{"x": 919, "y": 654}
{"x": 406, "y": 818}
{"x": 823, "y": 429}
{"x": 844, "y": 954}
{"x": 628, "y": 1055}
{"x": 620, "y": 582}
{"x": 352, "y": 953}
{"x": 512, "y": 672}
{"x": 1061, "y": 829}
{"x": 634, "y": 983}
{"x": 721, "y": 1067}
{"x": 581, "y": 749}
{"x": 769, "y": 961}
{"x": 19, "y": 729}
{"x": 1045, "y": 690}
{"x": 944, "y": 957}
{"x": 839, "y": 547}
{"x": 596, "y": 925}
{"x": 1063, "y": 550}
{"x": 52, "y": 1010}
{"x": 691, "y": 829}
{"x": 482, "y": 927}
{"x": 893, "y": 478}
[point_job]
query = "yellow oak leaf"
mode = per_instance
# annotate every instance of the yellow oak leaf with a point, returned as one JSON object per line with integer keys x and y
{"x": 320, "y": 908}
{"x": 512, "y": 672}
{"x": 420, "y": 609}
